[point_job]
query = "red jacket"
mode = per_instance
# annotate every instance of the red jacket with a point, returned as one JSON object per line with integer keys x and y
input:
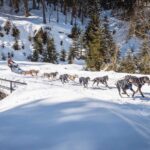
{"x": 10, "y": 61}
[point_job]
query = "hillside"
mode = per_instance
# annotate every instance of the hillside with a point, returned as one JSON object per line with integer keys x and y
{"x": 28, "y": 26}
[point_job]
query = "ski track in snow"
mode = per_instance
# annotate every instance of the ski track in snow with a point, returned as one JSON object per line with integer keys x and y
{"x": 48, "y": 115}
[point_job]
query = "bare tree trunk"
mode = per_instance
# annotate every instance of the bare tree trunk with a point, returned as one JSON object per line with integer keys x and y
{"x": 1, "y": 2}
{"x": 61, "y": 6}
{"x": 73, "y": 15}
{"x": 65, "y": 7}
{"x": 43, "y": 7}
{"x": 27, "y": 14}
{"x": 10, "y": 3}
{"x": 16, "y": 5}
{"x": 33, "y": 4}
{"x": 58, "y": 12}
{"x": 38, "y": 2}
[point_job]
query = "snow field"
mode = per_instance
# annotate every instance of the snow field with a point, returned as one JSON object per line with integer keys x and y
{"x": 48, "y": 115}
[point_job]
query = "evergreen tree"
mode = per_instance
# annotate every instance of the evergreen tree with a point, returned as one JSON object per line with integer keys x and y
{"x": 94, "y": 44}
{"x": 75, "y": 32}
{"x": 111, "y": 52}
{"x": 44, "y": 37}
{"x": 35, "y": 56}
{"x": 49, "y": 54}
{"x": 110, "y": 45}
{"x": 128, "y": 64}
{"x": 15, "y": 32}
{"x": 63, "y": 55}
{"x": 38, "y": 46}
{"x": 16, "y": 45}
{"x": 72, "y": 54}
{"x": 144, "y": 59}
{"x": 7, "y": 27}
{"x": 38, "y": 41}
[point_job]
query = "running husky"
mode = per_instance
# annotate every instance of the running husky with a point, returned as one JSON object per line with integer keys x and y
{"x": 64, "y": 78}
{"x": 46, "y": 75}
{"x": 138, "y": 82}
{"x": 31, "y": 72}
{"x": 35, "y": 72}
{"x": 84, "y": 81}
{"x": 124, "y": 85}
{"x": 102, "y": 80}
{"x": 53, "y": 75}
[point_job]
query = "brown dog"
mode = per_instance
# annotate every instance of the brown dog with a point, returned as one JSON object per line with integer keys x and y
{"x": 27, "y": 72}
{"x": 34, "y": 72}
{"x": 31, "y": 72}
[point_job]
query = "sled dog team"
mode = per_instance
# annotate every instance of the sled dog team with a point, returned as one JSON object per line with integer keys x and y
{"x": 122, "y": 85}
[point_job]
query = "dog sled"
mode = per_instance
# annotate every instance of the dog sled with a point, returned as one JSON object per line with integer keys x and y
{"x": 15, "y": 68}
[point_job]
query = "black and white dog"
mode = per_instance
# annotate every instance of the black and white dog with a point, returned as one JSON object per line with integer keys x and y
{"x": 84, "y": 81}
{"x": 64, "y": 78}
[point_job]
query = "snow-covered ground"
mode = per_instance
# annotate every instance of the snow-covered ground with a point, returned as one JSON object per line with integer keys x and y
{"x": 47, "y": 115}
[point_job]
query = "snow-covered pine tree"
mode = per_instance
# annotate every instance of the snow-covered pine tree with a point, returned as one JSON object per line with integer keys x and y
{"x": 15, "y": 32}
{"x": 7, "y": 26}
{"x": 44, "y": 37}
{"x": 49, "y": 54}
{"x": 38, "y": 41}
{"x": 75, "y": 32}
{"x": 35, "y": 56}
{"x": 73, "y": 51}
{"x": 16, "y": 45}
{"x": 63, "y": 55}
{"x": 37, "y": 45}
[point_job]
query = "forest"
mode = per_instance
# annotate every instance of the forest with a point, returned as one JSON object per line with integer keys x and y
{"x": 101, "y": 50}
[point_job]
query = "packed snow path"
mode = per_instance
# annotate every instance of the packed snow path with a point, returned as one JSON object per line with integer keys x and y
{"x": 48, "y": 115}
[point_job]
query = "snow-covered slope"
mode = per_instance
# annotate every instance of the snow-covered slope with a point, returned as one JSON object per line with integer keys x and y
{"x": 60, "y": 31}
{"x": 27, "y": 26}
{"x": 48, "y": 115}
{"x": 121, "y": 35}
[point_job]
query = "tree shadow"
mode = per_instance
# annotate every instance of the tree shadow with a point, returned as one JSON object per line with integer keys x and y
{"x": 88, "y": 124}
